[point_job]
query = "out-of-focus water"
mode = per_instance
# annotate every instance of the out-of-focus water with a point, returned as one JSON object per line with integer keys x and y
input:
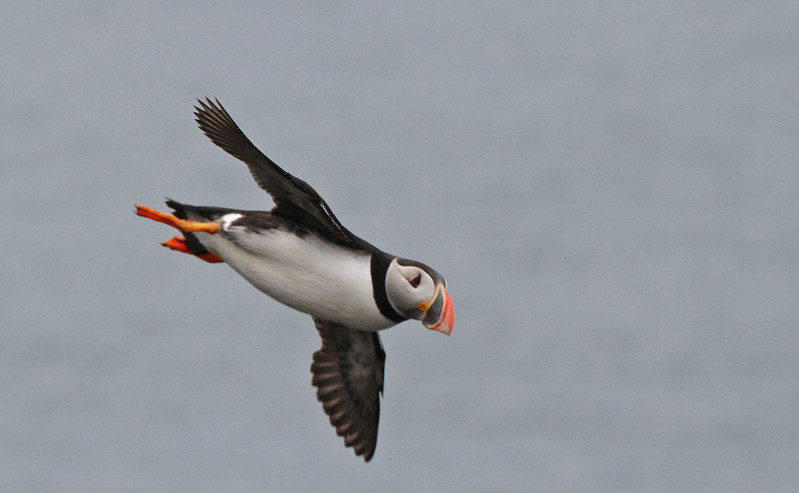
{"x": 609, "y": 188}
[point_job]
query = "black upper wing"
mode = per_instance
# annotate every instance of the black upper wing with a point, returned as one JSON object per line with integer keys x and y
{"x": 348, "y": 373}
{"x": 294, "y": 199}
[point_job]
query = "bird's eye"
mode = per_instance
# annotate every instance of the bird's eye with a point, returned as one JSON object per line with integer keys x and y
{"x": 416, "y": 281}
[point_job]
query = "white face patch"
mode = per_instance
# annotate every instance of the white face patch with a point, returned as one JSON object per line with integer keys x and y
{"x": 406, "y": 287}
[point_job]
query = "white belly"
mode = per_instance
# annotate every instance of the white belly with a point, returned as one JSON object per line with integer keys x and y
{"x": 315, "y": 277}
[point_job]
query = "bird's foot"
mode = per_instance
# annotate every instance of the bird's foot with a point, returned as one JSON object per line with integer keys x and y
{"x": 179, "y": 245}
{"x": 181, "y": 224}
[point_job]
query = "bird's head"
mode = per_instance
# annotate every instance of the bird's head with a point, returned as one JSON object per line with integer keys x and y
{"x": 417, "y": 291}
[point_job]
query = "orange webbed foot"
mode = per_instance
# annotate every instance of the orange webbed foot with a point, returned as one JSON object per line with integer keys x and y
{"x": 181, "y": 224}
{"x": 179, "y": 244}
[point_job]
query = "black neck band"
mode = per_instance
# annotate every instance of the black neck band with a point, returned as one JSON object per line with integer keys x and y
{"x": 380, "y": 263}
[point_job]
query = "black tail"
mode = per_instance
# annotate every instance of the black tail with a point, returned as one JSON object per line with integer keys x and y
{"x": 196, "y": 213}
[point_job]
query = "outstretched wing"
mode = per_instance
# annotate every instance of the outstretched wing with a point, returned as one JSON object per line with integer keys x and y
{"x": 294, "y": 199}
{"x": 348, "y": 373}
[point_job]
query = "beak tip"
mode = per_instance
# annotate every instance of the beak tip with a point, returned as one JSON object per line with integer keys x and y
{"x": 441, "y": 315}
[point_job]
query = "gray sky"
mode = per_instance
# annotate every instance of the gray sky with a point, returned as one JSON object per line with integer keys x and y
{"x": 609, "y": 188}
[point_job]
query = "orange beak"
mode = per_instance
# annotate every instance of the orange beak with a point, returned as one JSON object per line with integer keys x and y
{"x": 439, "y": 314}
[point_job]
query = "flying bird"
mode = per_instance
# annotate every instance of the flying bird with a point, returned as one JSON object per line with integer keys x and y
{"x": 301, "y": 255}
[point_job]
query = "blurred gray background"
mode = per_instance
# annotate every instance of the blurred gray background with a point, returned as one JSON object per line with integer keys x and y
{"x": 609, "y": 187}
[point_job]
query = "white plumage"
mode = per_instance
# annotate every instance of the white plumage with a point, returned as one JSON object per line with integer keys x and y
{"x": 308, "y": 274}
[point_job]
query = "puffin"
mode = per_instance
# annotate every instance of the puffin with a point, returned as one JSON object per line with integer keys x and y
{"x": 299, "y": 254}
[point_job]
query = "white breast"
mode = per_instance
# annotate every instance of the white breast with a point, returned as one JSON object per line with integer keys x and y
{"x": 307, "y": 274}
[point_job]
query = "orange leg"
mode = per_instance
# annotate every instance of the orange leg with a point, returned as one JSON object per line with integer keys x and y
{"x": 181, "y": 224}
{"x": 179, "y": 244}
